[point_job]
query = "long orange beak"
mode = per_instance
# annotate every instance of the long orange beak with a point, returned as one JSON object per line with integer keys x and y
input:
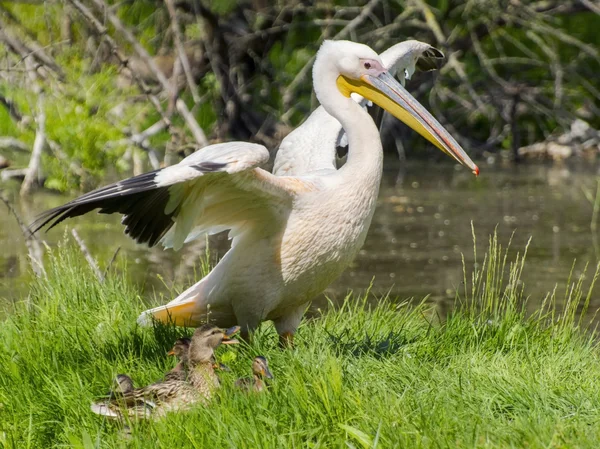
{"x": 390, "y": 95}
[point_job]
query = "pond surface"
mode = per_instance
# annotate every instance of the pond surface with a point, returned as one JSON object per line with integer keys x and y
{"x": 421, "y": 228}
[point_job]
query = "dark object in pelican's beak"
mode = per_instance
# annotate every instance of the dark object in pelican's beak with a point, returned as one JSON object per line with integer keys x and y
{"x": 390, "y": 95}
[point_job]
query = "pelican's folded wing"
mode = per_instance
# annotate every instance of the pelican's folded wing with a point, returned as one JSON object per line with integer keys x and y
{"x": 218, "y": 186}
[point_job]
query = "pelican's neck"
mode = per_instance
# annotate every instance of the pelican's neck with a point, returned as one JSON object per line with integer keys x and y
{"x": 365, "y": 154}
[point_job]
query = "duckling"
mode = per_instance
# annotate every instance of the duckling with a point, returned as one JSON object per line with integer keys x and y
{"x": 260, "y": 371}
{"x": 122, "y": 384}
{"x": 181, "y": 350}
{"x": 175, "y": 394}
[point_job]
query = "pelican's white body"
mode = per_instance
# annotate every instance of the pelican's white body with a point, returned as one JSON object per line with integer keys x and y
{"x": 277, "y": 265}
{"x": 291, "y": 235}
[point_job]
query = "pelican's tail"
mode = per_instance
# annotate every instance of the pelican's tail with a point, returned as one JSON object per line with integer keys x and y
{"x": 186, "y": 310}
{"x": 200, "y": 303}
{"x": 180, "y": 313}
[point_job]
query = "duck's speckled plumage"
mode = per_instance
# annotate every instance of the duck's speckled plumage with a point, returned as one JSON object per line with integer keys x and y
{"x": 173, "y": 393}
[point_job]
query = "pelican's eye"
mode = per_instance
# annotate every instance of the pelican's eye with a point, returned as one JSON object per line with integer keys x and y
{"x": 372, "y": 66}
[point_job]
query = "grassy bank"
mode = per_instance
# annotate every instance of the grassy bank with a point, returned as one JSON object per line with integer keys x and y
{"x": 361, "y": 376}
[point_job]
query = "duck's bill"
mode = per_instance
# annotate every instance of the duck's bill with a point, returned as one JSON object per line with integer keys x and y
{"x": 228, "y": 333}
{"x": 390, "y": 95}
{"x": 267, "y": 373}
{"x": 171, "y": 352}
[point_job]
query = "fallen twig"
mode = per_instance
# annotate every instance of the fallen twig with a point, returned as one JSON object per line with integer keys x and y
{"x": 13, "y": 144}
{"x": 12, "y": 173}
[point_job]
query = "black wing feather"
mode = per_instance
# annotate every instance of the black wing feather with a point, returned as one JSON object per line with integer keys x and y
{"x": 139, "y": 199}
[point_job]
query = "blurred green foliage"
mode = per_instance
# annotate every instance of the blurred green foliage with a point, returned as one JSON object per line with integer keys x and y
{"x": 533, "y": 63}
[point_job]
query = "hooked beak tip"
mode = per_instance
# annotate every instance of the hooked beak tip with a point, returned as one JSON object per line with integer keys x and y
{"x": 476, "y": 171}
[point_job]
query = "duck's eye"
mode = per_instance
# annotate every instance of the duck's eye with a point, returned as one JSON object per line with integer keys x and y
{"x": 367, "y": 65}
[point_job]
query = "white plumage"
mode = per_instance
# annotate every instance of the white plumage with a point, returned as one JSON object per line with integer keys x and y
{"x": 291, "y": 235}
{"x": 312, "y": 146}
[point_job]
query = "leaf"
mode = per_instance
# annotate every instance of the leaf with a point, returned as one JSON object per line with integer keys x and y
{"x": 361, "y": 437}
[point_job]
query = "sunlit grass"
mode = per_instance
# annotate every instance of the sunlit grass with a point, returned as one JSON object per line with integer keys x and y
{"x": 363, "y": 376}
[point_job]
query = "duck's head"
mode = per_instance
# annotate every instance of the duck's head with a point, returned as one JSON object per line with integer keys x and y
{"x": 122, "y": 383}
{"x": 260, "y": 367}
{"x": 181, "y": 348}
{"x": 206, "y": 339}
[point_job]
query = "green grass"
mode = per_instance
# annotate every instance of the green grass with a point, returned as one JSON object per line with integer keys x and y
{"x": 361, "y": 376}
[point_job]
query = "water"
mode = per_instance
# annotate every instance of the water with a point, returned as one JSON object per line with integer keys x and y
{"x": 420, "y": 229}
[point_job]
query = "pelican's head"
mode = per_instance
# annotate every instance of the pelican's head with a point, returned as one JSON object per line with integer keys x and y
{"x": 356, "y": 68}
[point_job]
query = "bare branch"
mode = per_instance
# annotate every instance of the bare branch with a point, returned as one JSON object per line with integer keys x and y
{"x": 12, "y": 109}
{"x": 181, "y": 51}
{"x": 110, "y": 263}
{"x": 160, "y": 76}
{"x": 33, "y": 50}
{"x": 288, "y": 94}
{"x": 103, "y": 32}
{"x": 38, "y": 147}
{"x": 33, "y": 243}
{"x": 191, "y": 122}
{"x": 592, "y": 6}
{"x": 431, "y": 21}
{"x": 90, "y": 259}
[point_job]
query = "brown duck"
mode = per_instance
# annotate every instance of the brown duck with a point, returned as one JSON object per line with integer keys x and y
{"x": 260, "y": 372}
{"x": 181, "y": 350}
{"x": 174, "y": 393}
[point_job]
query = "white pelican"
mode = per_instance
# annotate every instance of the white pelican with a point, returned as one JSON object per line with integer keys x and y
{"x": 291, "y": 236}
{"x": 312, "y": 146}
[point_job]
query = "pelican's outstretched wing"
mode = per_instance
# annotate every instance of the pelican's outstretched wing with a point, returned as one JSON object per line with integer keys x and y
{"x": 218, "y": 187}
{"x": 312, "y": 146}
